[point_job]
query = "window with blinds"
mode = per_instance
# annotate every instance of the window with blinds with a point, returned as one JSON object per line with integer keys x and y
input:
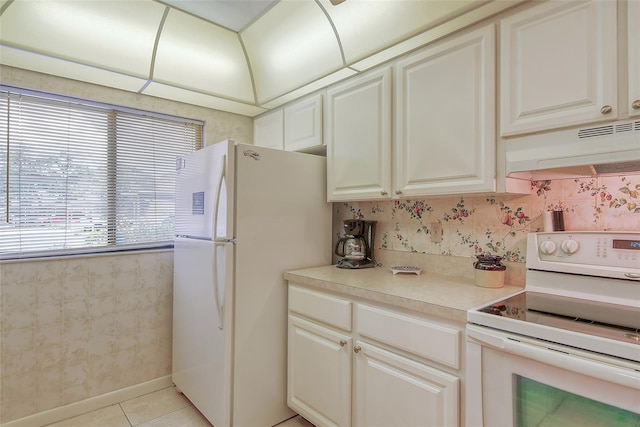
{"x": 77, "y": 176}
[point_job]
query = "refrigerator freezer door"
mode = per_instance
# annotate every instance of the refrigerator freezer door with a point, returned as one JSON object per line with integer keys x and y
{"x": 204, "y": 207}
{"x": 202, "y": 326}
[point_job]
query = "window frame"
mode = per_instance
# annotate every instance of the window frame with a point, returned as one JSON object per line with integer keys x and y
{"x": 112, "y": 112}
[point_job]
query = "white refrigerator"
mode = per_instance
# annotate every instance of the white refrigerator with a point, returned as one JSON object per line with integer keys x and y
{"x": 244, "y": 215}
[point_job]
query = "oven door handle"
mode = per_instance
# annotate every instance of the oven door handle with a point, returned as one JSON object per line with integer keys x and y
{"x": 554, "y": 357}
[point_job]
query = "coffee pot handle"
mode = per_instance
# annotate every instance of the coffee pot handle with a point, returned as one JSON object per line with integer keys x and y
{"x": 337, "y": 250}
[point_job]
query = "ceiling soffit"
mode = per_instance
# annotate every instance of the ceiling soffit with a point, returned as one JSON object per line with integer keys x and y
{"x": 96, "y": 33}
{"x": 196, "y": 55}
{"x": 151, "y": 48}
{"x": 289, "y": 46}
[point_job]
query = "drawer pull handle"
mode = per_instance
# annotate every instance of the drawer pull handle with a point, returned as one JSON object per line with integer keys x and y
{"x": 357, "y": 349}
{"x": 636, "y": 104}
{"x": 383, "y": 193}
{"x": 343, "y": 343}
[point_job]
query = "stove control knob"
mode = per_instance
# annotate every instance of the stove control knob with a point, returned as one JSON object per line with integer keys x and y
{"x": 569, "y": 247}
{"x": 547, "y": 247}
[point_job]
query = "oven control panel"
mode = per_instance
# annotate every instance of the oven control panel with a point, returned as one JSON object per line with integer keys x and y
{"x": 566, "y": 251}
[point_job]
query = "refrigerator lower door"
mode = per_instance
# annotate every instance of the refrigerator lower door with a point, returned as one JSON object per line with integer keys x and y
{"x": 202, "y": 328}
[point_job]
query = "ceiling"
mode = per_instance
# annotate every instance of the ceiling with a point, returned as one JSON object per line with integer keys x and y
{"x": 241, "y": 56}
{"x": 232, "y": 14}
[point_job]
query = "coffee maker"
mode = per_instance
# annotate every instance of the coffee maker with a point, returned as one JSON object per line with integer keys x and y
{"x": 356, "y": 247}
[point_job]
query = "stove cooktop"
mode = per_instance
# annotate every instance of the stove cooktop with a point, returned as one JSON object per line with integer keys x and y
{"x": 610, "y": 321}
{"x": 582, "y": 290}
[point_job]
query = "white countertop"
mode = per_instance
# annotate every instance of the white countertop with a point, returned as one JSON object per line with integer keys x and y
{"x": 445, "y": 296}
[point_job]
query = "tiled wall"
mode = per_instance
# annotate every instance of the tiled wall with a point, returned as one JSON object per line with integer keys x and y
{"x": 497, "y": 224}
{"x": 79, "y": 327}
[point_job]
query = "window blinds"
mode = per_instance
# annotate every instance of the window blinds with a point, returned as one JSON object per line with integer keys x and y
{"x": 78, "y": 177}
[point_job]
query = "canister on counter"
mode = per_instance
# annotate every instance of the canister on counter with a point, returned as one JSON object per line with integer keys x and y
{"x": 489, "y": 271}
{"x": 553, "y": 221}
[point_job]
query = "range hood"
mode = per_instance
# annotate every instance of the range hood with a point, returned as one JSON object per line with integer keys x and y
{"x": 605, "y": 149}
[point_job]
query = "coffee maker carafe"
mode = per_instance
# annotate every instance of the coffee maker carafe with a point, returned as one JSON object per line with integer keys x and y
{"x": 356, "y": 247}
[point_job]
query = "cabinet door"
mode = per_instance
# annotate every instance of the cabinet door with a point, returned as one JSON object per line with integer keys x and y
{"x": 358, "y": 135}
{"x": 303, "y": 124}
{"x": 558, "y": 66}
{"x": 319, "y": 373}
{"x": 268, "y": 130}
{"x": 391, "y": 390}
{"x": 634, "y": 57}
{"x": 446, "y": 117}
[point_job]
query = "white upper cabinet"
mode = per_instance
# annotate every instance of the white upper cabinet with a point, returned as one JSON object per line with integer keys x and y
{"x": 445, "y": 126}
{"x": 303, "y": 124}
{"x": 558, "y": 66}
{"x": 633, "y": 39}
{"x": 268, "y": 130}
{"x": 358, "y": 137}
{"x": 296, "y": 127}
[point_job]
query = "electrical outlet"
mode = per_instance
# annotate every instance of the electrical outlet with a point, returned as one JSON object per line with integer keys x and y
{"x": 436, "y": 232}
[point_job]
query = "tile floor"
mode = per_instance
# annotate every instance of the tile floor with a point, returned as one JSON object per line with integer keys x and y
{"x": 163, "y": 408}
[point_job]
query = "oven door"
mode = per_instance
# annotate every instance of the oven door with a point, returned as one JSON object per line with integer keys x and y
{"x": 518, "y": 381}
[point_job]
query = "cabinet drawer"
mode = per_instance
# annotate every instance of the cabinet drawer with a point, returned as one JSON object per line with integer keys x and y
{"x": 319, "y": 306}
{"x": 434, "y": 342}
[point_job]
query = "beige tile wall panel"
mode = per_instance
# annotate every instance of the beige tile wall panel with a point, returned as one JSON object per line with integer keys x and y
{"x": 77, "y": 328}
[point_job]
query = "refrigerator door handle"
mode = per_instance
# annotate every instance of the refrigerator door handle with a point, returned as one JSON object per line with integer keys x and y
{"x": 216, "y": 285}
{"x": 216, "y": 208}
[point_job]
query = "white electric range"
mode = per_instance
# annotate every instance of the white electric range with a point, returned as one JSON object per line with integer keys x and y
{"x": 566, "y": 350}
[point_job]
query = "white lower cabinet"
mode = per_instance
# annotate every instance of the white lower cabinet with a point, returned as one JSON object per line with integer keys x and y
{"x": 319, "y": 373}
{"x": 392, "y": 390}
{"x": 383, "y": 369}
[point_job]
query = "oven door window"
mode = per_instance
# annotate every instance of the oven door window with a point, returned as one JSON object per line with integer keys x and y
{"x": 523, "y": 392}
{"x": 538, "y": 404}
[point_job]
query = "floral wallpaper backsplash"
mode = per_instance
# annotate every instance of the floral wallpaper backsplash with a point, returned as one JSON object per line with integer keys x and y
{"x": 497, "y": 224}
